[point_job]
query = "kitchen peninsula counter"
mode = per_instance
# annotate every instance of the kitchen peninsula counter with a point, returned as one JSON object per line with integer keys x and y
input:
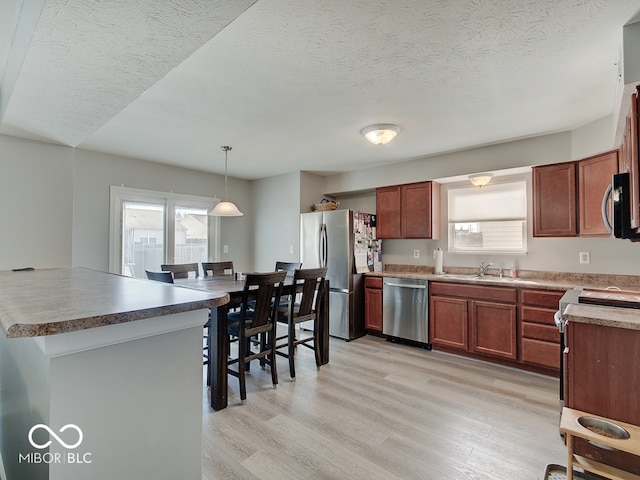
{"x": 118, "y": 358}
{"x": 53, "y": 301}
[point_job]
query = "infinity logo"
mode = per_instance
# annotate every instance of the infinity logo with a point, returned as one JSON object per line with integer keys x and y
{"x": 53, "y": 434}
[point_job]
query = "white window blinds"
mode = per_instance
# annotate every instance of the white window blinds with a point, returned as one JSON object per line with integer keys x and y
{"x": 493, "y": 202}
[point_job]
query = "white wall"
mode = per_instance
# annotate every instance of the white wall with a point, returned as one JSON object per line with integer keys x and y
{"x": 57, "y": 203}
{"x": 276, "y": 203}
{"x": 36, "y": 193}
{"x": 95, "y": 172}
{"x": 548, "y": 254}
{"x": 533, "y": 151}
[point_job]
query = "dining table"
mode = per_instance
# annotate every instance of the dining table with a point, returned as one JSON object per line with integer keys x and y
{"x": 217, "y": 331}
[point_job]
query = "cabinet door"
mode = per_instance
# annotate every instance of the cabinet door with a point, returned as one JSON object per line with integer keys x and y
{"x": 416, "y": 210}
{"x": 594, "y": 176}
{"x": 449, "y": 322}
{"x": 373, "y": 309}
{"x": 388, "y": 212}
{"x": 603, "y": 380}
{"x": 493, "y": 329}
{"x": 554, "y": 200}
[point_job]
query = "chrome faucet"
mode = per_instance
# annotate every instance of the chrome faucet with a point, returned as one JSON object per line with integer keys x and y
{"x": 483, "y": 268}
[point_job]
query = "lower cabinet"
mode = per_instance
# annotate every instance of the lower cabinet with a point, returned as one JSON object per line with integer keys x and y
{"x": 373, "y": 304}
{"x": 475, "y": 319}
{"x": 539, "y": 335}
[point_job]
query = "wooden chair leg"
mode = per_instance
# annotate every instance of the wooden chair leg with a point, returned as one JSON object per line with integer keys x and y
{"x": 291, "y": 350}
{"x": 316, "y": 344}
{"x": 242, "y": 346}
{"x": 272, "y": 358}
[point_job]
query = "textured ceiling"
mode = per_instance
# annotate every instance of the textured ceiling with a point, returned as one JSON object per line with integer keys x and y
{"x": 290, "y": 83}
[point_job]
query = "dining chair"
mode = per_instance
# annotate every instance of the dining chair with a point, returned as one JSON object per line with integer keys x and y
{"x": 166, "y": 277}
{"x": 217, "y": 268}
{"x": 261, "y": 321}
{"x": 288, "y": 267}
{"x": 181, "y": 270}
{"x": 306, "y": 308}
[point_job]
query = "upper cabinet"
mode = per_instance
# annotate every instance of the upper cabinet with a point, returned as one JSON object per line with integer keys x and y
{"x": 388, "y": 212}
{"x": 567, "y": 197}
{"x": 408, "y": 211}
{"x": 594, "y": 177}
{"x": 554, "y": 200}
{"x": 629, "y": 157}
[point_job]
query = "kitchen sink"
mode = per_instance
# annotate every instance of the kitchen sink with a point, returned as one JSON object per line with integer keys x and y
{"x": 486, "y": 278}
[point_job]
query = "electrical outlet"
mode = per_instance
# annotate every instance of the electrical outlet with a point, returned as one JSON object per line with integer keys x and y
{"x": 225, "y": 249}
{"x": 585, "y": 258}
{"x": 291, "y": 249}
{"x": 416, "y": 254}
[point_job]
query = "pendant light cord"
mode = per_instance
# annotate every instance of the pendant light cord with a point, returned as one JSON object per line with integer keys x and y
{"x": 226, "y": 149}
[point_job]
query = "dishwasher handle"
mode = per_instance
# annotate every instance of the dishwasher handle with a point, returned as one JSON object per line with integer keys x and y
{"x": 406, "y": 285}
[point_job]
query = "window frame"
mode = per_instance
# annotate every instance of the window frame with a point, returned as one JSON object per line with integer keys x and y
{"x": 524, "y": 178}
{"x": 170, "y": 200}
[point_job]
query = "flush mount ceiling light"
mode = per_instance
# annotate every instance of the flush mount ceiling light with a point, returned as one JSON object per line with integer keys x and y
{"x": 480, "y": 179}
{"x": 381, "y": 133}
{"x": 225, "y": 208}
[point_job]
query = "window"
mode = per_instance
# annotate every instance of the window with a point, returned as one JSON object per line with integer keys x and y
{"x": 490, "y": 219}
{"x": 151, "y": 228}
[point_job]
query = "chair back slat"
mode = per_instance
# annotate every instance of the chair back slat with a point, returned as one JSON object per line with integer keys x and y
{"x": 217, "y": 268}
{"x": 288, "y": 267}
{"x": 267, "y": 297}
{"x": 312, "y": 280}
{"x": 166, "y": 277}
{"x": 181, "y": 270}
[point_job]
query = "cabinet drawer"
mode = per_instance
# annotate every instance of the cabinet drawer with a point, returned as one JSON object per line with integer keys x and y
{"x": 373, "y": 282}
{"x": 538, "y": 315}
{"x": 495, "y": 294}
{"x": 541, "y": 298}
{"x": 541, "y": 353}
{"x": 541, "y": 332}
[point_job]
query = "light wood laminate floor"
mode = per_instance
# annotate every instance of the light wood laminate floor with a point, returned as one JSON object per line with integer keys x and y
{"x": 385, "y": 411}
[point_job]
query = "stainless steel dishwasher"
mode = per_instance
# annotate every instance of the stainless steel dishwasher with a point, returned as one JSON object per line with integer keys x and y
{"x": 405, "y": 309}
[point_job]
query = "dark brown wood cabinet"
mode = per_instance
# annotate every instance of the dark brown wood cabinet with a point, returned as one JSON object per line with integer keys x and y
{"x": 628, "y": 159}
{"x": 388, "y": 205}
{"x": 373, "y": 304}
{"x": 476, "y": 319}
{"x": 554, "y": 200}
{"x": 449, "y": 324}
{"x": 602, "y": 378}
{"x": 567, "y": 197}
{"x": 539, "y": 336}
{"x": 408, "y": 211}
{"x": 594, "y": 176}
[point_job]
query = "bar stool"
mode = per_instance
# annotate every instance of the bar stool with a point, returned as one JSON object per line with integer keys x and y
{"x": 305, "y": 309}
{"x": 257, "y": 321}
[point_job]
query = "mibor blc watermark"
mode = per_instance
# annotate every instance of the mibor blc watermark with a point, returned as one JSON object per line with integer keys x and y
{"x": 73, "y": 441}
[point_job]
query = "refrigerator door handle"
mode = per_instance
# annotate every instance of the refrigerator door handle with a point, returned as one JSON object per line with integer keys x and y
{"x": 323, "y": 245}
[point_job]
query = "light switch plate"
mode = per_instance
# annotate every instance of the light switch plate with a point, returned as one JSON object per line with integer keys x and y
{"x": 225, "y": 249}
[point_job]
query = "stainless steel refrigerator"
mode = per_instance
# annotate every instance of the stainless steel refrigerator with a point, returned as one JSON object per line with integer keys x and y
{"x": 343, "y": 241}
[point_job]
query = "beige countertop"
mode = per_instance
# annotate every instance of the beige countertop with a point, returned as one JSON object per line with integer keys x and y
{"x": 48, "y": 302}
{"x": 526, "y": 278}
{"x": 628, "y": 318}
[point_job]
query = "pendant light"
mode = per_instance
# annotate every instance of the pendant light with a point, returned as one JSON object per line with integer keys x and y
{"x": 225, "y": 208}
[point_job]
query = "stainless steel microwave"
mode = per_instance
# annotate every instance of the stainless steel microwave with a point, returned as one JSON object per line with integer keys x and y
{"x": 620, "y": 223}
{"x": 621, "y": 197}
